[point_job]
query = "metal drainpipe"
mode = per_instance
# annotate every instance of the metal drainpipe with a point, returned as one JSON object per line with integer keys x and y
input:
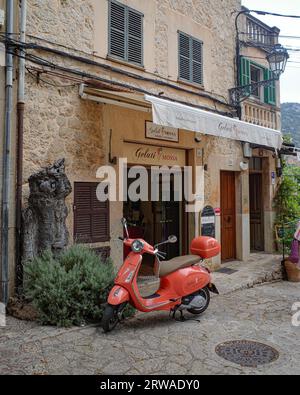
{"x": 20, "y": 134}
{"x": 7, "y": 156}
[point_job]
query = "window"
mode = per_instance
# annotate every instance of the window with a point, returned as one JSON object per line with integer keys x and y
{"x": 256, "y": 164}
{"x": 251, "y": 72}
{"x": 125, "y": 33}
{"x": 256, "y": 76}
{"x": 190, "y": 59}
{"x": 91, "y": 217}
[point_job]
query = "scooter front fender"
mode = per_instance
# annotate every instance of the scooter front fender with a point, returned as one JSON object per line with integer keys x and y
{"x": 118, "y": 295}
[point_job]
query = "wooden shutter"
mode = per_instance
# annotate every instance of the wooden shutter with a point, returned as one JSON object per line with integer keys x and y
{"x": 197, "y": 61}
{"x": 117, "y": 30}
{"x": 270, "y": 90}
{"x": 135, "y": 37}
{"x": 184, "y": 57}
{"x": 91, "y": 217}
{"x": 125, "y": 33}
{"x": 190, "y": 59}
{"x": 245, "y": 71}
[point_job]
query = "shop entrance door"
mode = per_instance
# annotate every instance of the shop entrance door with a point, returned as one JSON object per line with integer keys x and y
{"x": 156, "y": 221}
{"x": 167, "y": 222}
{"x": 228, "y": 216}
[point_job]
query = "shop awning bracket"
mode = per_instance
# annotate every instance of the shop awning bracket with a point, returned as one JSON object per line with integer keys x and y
{"x": 129, "y": 100}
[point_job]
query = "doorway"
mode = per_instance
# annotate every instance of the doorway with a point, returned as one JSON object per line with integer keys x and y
{"x": 228, "y": 215}
{"x": 256, "y": 205}
{"x": 156, "y": 221}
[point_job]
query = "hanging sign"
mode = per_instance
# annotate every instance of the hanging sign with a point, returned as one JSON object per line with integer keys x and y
{"x": 208, "y": 222}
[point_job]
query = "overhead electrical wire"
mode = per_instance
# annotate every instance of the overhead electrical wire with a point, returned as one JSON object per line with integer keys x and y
{"x": 85, "y": 76}
{"x": 41, "y": 61}
{"x": 264, "y": 13}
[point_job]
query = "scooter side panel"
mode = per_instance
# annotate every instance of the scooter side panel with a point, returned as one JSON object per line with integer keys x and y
{"x": 186, "y": 281}
{"x": 118, "y": 295}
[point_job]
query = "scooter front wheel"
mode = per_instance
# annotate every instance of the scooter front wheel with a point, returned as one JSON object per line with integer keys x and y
{"x": 206, "y": 295}
{"x": 111, "y": 317}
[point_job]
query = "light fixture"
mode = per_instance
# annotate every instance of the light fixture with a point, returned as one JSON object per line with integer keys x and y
{"x": 277, "y": 59}
{"x": 137, "y": 246}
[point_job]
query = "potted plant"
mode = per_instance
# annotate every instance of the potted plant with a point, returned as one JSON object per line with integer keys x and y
{"x": 292, "y": 264}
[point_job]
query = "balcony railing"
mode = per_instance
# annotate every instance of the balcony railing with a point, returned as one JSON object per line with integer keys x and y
{"x": 260, "y": 35}
{"x": 260, "y": 116}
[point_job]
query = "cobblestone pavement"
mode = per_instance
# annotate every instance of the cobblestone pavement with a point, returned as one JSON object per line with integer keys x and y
{"x": 153, "y": 344}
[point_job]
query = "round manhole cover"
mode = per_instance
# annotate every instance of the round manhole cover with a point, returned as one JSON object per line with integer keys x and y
{"x": 247, "y": 353}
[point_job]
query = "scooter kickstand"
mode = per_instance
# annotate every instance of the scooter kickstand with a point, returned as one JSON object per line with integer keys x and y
{"x": 181, "y": 319}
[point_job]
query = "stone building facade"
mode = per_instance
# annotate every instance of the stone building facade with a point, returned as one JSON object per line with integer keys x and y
{"x": 262, "y": 108}
{"x": 70, "y": 50}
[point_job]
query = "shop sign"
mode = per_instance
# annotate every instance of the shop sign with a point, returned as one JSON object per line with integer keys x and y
{"x": 208, "y": 222}
{"x": 154, "y": 156}
{"x": 159, "y": 132}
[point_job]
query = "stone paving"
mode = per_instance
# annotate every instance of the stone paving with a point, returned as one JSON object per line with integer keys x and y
{"x": 154, "y": 344}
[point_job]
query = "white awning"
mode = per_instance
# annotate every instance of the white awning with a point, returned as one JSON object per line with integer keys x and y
{"x": 176, "y": 115}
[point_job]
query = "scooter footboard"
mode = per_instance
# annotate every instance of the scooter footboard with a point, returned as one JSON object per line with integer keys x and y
{"x": 118, "y": 295}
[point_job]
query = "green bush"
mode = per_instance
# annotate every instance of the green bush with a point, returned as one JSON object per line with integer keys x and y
{"x": 70, "y": 289}
{"x": 287, "y": 204}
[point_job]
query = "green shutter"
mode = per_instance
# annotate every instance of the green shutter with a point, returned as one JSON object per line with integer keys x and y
{"x": 270, "y": 90}
{"x": 245, "y": 72}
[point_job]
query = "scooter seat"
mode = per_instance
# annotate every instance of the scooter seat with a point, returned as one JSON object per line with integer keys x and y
{"x": 175, "y": 264}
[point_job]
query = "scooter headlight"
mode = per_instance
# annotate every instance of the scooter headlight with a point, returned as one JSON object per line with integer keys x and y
{"x": 137, "y": 246}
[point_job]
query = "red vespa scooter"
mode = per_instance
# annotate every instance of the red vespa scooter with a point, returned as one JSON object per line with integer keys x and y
{"x": 184, "y": 284}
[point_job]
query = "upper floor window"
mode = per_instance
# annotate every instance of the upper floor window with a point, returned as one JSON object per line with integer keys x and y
{"x": 190, "y": 59}
{"x": 125, "y": 33}
{"x": 251, "y": 72}
{"x": 256, "y": 76}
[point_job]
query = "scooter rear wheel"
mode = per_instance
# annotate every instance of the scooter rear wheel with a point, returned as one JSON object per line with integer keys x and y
{"x": 206, "y": 295}
{"x": 111, "y": 317}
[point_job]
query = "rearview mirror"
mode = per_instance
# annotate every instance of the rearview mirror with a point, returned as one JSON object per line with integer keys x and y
{"x": 172, "y": 239}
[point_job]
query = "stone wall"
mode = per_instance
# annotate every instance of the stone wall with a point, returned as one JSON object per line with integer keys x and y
{"x": 82, "y": 25}
{"x": 58, "y": 124}
{"x": 69, "y": 22}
